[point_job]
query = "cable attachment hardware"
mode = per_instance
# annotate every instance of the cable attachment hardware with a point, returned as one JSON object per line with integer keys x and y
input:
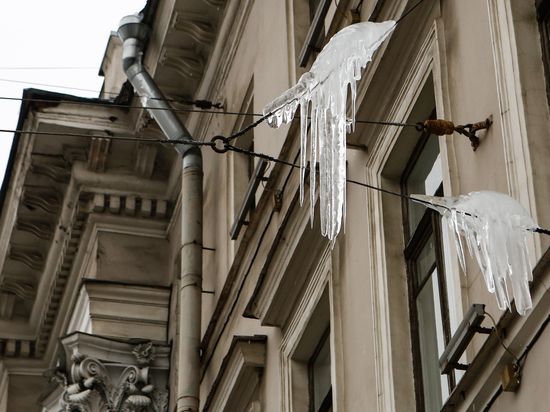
{"x": 471, "y": 129}
{"x": 439, "y": 127}
{"x": 444, "y": 127}
{"x": 215, "y": 145}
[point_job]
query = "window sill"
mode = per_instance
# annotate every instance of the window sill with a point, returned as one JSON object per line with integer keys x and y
{"x": 482, "y": 379}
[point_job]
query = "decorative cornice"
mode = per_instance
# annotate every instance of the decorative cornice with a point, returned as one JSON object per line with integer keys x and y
{"x": 129, "y": 205}
{"x": 228, "y": 40}
{"x": 54, "y": 169}
{"x": 44, "y": 198}
{"x": 244, "y": 362}
{"x": 146, "y": 155}
{"x": 197, "y": 27}
{"x": 97, "y": 156}
{"x": 40, "y": 227}
{"x": 92, "y": 384}
{"x": 98, "y": 374}
{"x": 219, "y": 4}
{"x": 7, "y": 300}
{"x": 22, "y": 290}
{"x": 17, "y": 348}
{"x": 184, "y": 61}
{"x": 57, "y": 290}
{"x": 30, "y": 256}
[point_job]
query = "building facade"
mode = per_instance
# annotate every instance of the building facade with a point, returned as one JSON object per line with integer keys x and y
{"x": 94, "y": 218}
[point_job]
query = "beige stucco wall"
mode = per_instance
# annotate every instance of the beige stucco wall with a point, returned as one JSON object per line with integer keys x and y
{"x": 468, "y": 93}
{"x": 367, "y": 281}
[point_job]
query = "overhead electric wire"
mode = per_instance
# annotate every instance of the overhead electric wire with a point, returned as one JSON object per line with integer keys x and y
{"x": 49, "y": 85}
{"x": 276, "y": 160}
{"x": 50, "y": 68}
{"x": 408, "y": 11}
{"x": 196, "y": 143}
{"x": 528, "y": 348}
{"x": 110, "y": 137}
{"x": 226, "y": 148}
{"x": 111, "y": 104}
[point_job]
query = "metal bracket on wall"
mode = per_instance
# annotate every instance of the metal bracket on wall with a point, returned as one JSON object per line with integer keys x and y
{"x": 444, "y": 127}
{"x": 470, "y": 130}
{"x": 470, "y": 325}
{"x": 248, "y": 201}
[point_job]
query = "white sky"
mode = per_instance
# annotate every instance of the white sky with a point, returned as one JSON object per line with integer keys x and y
{"x": 57, "y": 34}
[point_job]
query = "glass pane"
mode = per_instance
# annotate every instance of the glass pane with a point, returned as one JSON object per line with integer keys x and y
{"x": 424, "y": 179}
{"x": 321, "y": 375}
{"x": 425, "y": 260}
{"x": 430, "y": 327}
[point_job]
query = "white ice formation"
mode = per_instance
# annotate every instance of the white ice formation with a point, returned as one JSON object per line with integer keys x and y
{"x": 494, "y": 226}
{"x": 325, "y": 86}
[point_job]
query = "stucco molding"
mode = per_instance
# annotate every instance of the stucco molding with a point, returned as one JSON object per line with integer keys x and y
{"x": 279, "y": 285}
{"x": 99, "y": 374}
{"x": 289, "y": 375}
{"x": 239, "y": 375}
{"x": 221, "y": 60}
{"x": 520, "y": 88}
{"x": 4, "y": 382}
{"x": 428, "y": 62}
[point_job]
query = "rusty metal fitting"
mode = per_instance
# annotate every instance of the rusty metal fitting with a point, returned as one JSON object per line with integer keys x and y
{"x": 215, "y": 141}
{"x": 439, "y": 127}
{"x": 470, "y": 130}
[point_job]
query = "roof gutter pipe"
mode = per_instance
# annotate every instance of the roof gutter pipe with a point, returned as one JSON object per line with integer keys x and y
{"x": 135, "y": 34}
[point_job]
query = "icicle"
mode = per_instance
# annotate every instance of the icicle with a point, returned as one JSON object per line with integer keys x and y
{"x": 325, "y": 86}
{"x": 494, "y": 226}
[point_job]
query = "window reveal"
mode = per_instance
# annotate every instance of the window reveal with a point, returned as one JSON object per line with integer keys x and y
{"x": 430, "y": 326}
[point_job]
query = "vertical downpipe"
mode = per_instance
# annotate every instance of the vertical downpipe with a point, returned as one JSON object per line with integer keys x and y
{"x": 190, "y": 293}
{"x": 134, "y": 34}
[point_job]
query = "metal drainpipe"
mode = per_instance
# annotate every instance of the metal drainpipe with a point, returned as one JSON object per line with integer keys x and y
{"x": 134, "y": 34}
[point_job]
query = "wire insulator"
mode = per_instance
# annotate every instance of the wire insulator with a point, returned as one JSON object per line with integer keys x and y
{"x": 439, "y": 127}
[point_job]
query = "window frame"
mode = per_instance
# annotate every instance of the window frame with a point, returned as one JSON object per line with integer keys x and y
{"x": 428, "y": 226}
{"x": 543, "y": 20}
{"x": 327, "y": 401}
{"x": 237, "y": 181}
{"x": 313, "y": 37}
{"x": 316, "y": 312}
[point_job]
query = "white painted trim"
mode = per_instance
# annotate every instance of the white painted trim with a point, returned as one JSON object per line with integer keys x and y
{"x": 246, "y": 358}
{"x": 14, "y": 193}
{"x": 215, "y": 75}
{"x": 4, "y": 382}
{"x": 297, "y": 327}
{"x": 430, "y": 60}
{"x": 512, "y": 110}
{"x": 336, "y": 333}
{"x": 96, "y": 223}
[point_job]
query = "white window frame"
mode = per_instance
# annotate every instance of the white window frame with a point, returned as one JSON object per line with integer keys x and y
{"x": 391, "y": 316}
{"x": 294, "y": 375}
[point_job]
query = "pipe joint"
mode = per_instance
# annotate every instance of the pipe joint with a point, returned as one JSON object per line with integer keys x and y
{"x": 192, "y": 155}
{"x": 131, "y": 56}
{"x": 191, "y": 279}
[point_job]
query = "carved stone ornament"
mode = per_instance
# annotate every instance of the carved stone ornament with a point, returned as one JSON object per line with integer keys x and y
{"x": 144, "y": 353}
{"x": 100, "y": 386}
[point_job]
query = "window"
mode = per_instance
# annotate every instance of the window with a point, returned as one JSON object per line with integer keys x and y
{"x": 320, "y": 385}
{"x": 308, "y": 382}
{"x": 241, "y": 166}
{"x": 430, "y": 326}
{"x": 309, "y": 18}
{"x": 543, "y": 17}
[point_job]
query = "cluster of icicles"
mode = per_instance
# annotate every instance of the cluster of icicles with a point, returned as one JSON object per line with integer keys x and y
{"x": 495, "y": 227}
{"x": 493, "y": 224}
{"x": 325, "y": 86}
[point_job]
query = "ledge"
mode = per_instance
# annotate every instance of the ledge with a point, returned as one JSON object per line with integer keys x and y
{"x": 482, "y": 379}
{"x": 239, "y": 375}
